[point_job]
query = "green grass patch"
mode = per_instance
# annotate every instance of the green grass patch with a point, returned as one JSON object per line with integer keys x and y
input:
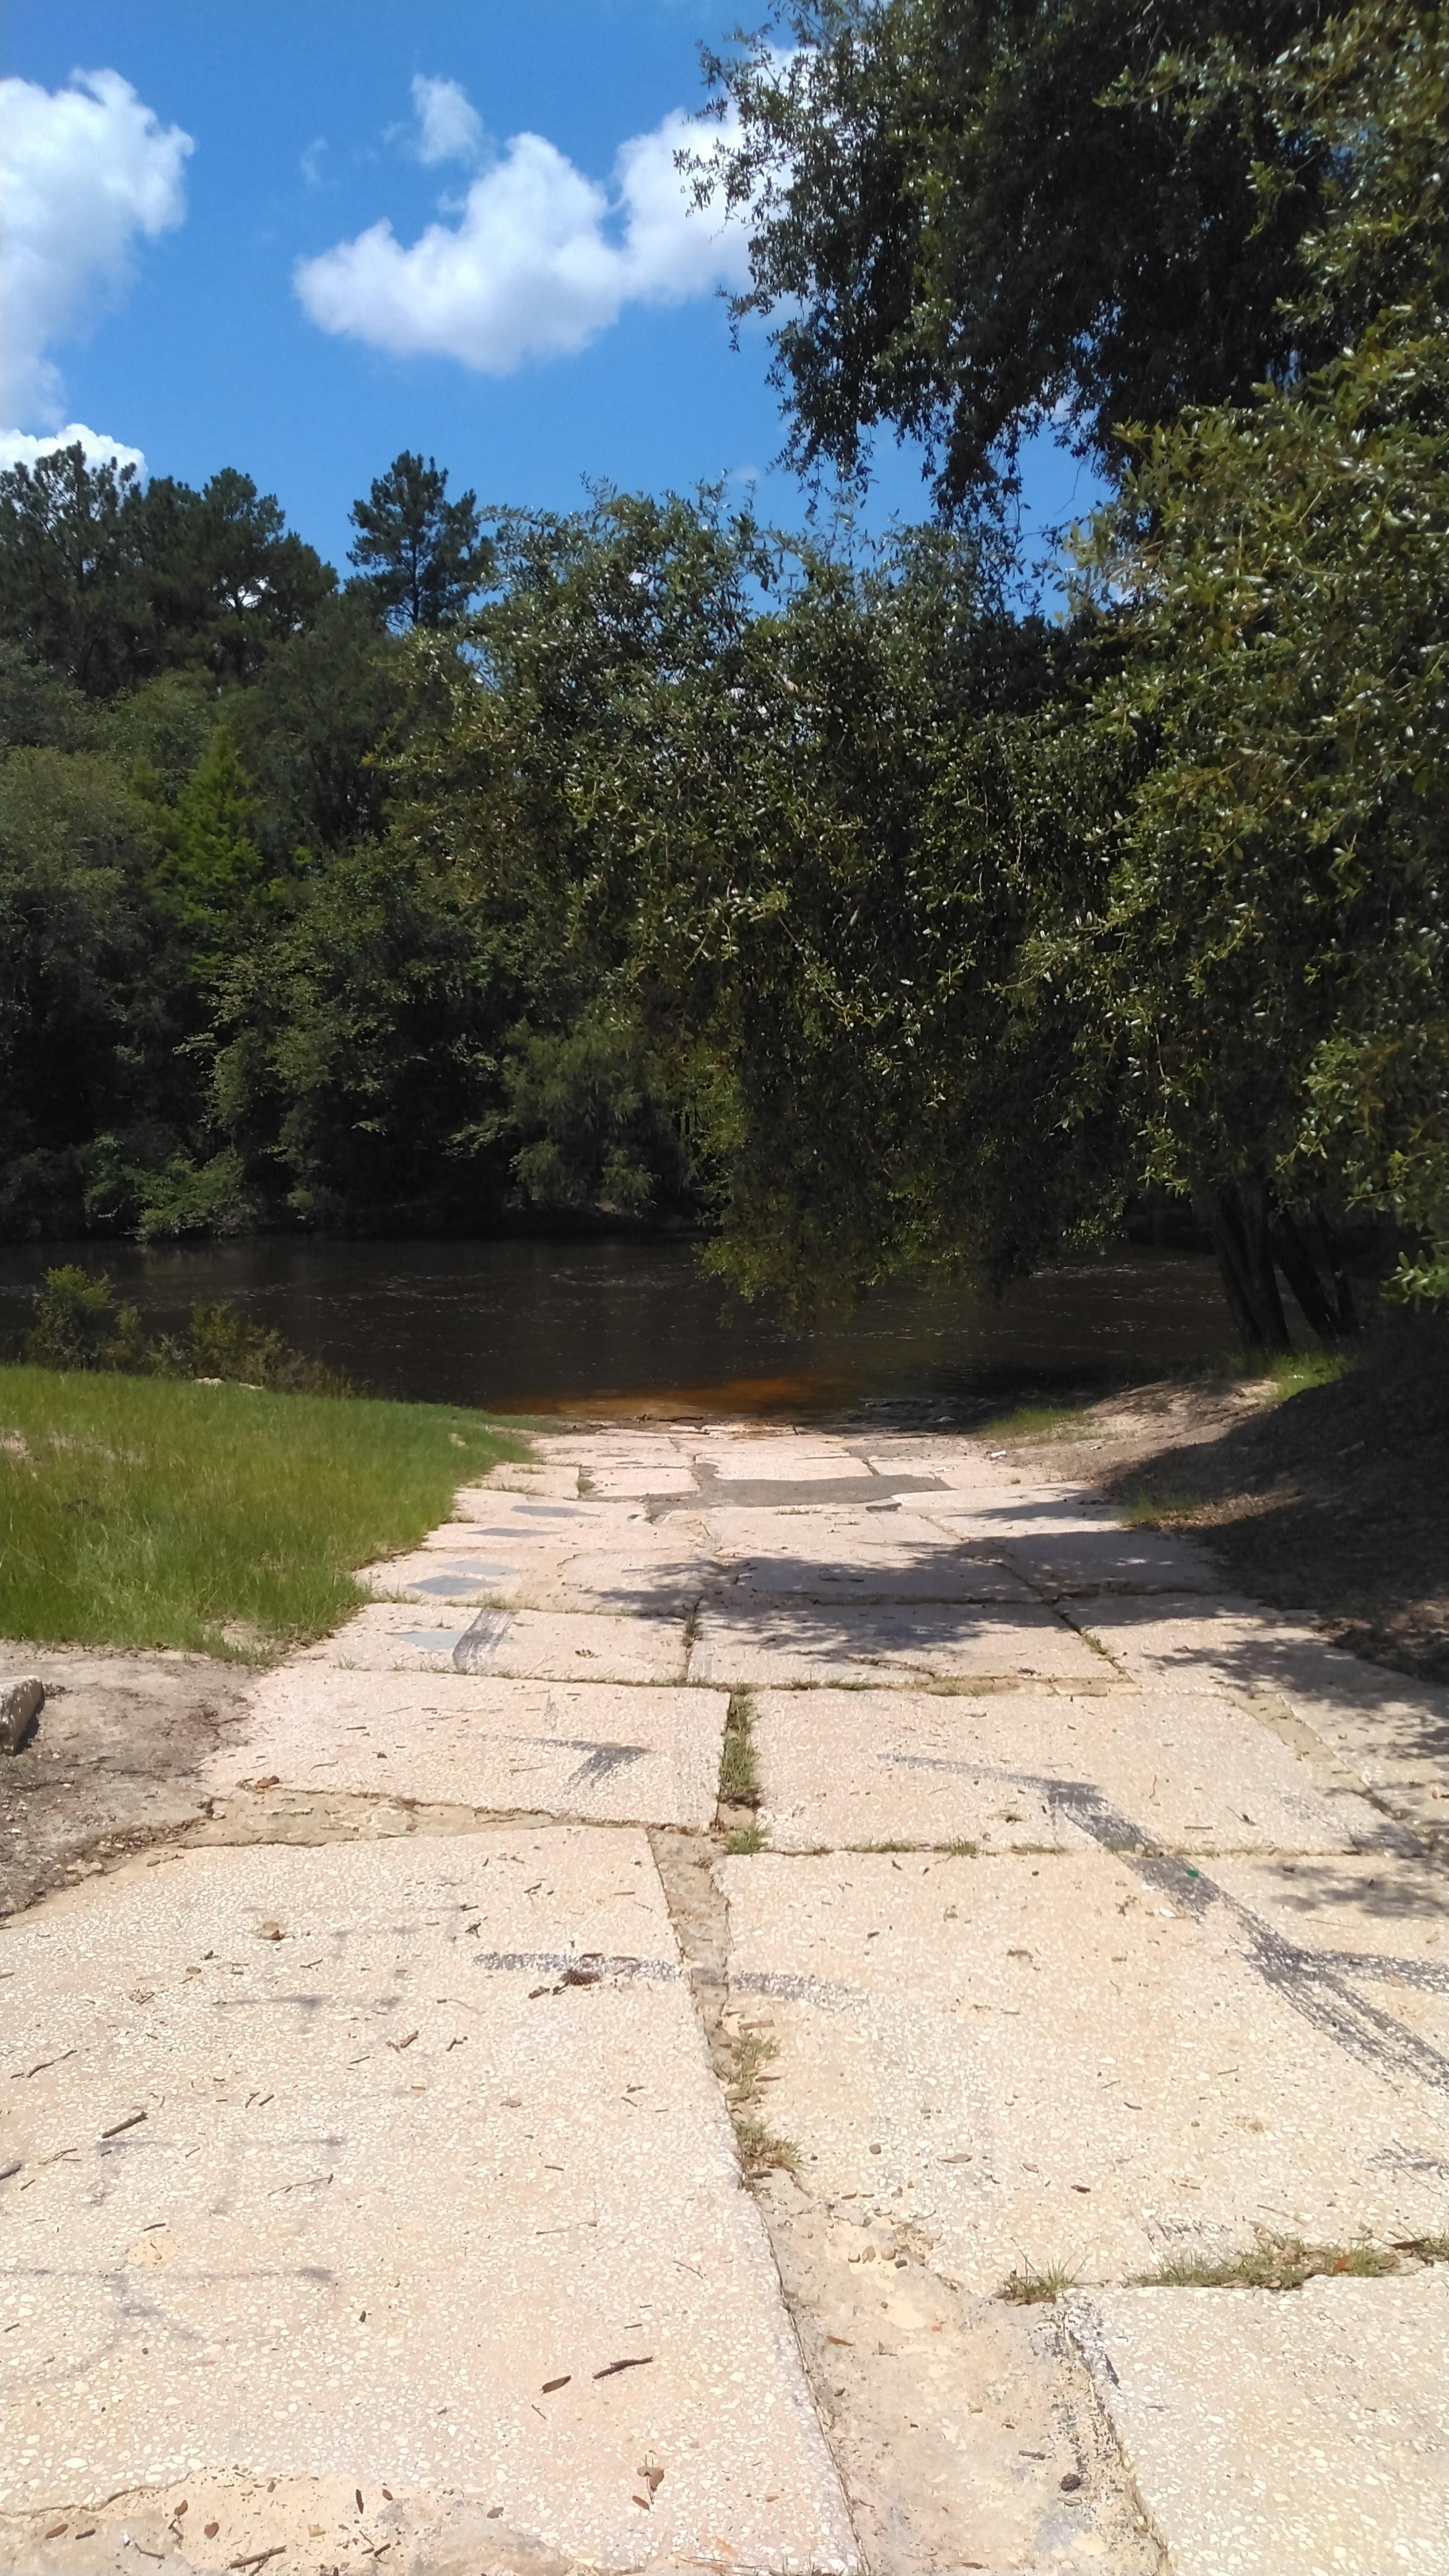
{"x": 140, "y": 1511}
{"x": 1153, "y": 1511}
{"x": 1290, "y": 1372}
{"x": 739, "y": 1784}
{"x": 1273, "y": 2263}
{"x": 1031, "y": 1422}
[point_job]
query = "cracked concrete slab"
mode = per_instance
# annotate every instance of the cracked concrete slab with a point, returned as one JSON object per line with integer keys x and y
{"x": 789, "y": 1462}
{"x": 1393, "y": 1733}
{"x": 867, "y": 1554}
{"x": 522, "y": 1645}
{"x": 1382, "y": 1926}
{"x": 642, "y": 1480}
{"x": 405, "y": 2154}
{"x": 654, "y": 1584}
{"x": 780, "y": 1644}
{"x": 1081, "y": 2060}
{"x": 570, "y": 1749}
{"x": 1282, "y": 2434}
{"x": 1017, "y": 1768}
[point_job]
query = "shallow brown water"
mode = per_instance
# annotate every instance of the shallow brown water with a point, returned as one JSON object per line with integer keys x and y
{"x": 627, "y": 1327}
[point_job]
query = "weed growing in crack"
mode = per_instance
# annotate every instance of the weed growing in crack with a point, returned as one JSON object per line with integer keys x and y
{"x": 745, "y": 1839}
{"x": 1274, "y": 2263}
{"x": 1027, "y": 2287}
{"x": 739, "y": 1784}
{"x": 760, "y": 2151}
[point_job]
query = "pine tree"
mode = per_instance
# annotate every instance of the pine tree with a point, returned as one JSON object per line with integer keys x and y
{"x": 421, "y": 555}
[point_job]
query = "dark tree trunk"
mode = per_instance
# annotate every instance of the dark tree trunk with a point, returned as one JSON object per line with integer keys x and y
{"x": 1242, "y": 1240}
{"x": 1305, "y": 1252}
{"x": 1301, "y": 1272}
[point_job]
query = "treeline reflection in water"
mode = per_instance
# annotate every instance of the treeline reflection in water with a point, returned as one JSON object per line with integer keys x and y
{"x": 627, "y": 1326}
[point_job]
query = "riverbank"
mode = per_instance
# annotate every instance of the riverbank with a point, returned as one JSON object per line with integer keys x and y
{"x": 216, "y": 1519}
{"x": 1328, "y": 1502}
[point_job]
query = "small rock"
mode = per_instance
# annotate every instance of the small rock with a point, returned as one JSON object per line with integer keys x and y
{"x": 20, "y": 1704}
{"x": 1070, "y": 2482}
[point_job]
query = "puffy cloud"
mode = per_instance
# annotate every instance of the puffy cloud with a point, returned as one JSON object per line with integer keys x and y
{"x": 17, "y": 447}
{"x": 448, "y": 124}
{"x": 84, "y": 172}
{"x": 538, "y": 262}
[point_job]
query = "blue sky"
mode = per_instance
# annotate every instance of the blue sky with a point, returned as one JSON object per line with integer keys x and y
{"x": 236, "y": 303}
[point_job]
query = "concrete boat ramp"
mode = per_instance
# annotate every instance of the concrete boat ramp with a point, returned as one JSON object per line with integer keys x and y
{"x": 755, "y": 2009}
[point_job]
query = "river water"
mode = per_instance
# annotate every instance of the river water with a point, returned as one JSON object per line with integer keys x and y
{"x": 626, "y": 1326}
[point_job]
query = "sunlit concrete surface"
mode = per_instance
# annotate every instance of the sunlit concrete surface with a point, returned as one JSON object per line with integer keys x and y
{"x": 1119, "y": 1769}
{"x": 587, "y": 1749}
{"x": 1077, "y": 2060}
{"x": 1282, "y": 2436}
{"x": 390, "y": 2155}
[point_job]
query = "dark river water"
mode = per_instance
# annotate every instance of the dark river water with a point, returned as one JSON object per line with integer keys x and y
{"x": 537, "y": 1327}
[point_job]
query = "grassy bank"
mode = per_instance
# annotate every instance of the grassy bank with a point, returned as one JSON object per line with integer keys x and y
{"x": 143, "y": 1512}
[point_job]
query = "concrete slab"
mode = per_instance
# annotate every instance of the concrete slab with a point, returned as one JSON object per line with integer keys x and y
{"x": 1282, "y": 2435}
{"x": 1020, "y": 1511}
{"x": 791, "y": 1462}
{"x": 555, "y": 1484}
{"x": 877, "y": 1575}
{"x": 782, "y": 1645}
{"x": 652, "y": 1584}
{"x": 874, "y": 1556}
{"x": 335, "y": 2179}
{"x": 460, "y": 1574}
{"x": 527, "y": 1645}
{"x": 1120, "y": 1769}
{"x": 583, "y": 1749}
{"x": 529, "y": 1513}
{"x": 1073, "y": 2059}
{"x": 1112, "y": 1560}
{"x": 641, "y": 1480}
{"x": 1382, "y": 1925}
{"x": 1394, "y": 1733}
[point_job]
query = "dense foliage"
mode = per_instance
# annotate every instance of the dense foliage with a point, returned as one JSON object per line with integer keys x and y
{"x": 813, "y": 889}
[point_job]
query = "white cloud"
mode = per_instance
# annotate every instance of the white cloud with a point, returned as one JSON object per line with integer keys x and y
{"x": 449, "y": 128}
{"x": 539, "y": 261}
{"x": 17, "y": 447}
{"x": 84, "y": 172}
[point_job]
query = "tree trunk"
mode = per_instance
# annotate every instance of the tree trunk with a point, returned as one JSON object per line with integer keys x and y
{"x": 1327, "y": 1303}
{"x": 1238, "y": 1215}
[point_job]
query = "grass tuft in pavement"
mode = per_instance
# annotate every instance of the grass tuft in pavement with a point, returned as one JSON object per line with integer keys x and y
{"x": 739, "y": 1783}
{"x": 1273, "y": 2263}
{"x": 140, "y": 1511}
{"x": 744, "y": 1840}
{"x": 760, "y": 2151}
{"x": 1027, "y": 2287}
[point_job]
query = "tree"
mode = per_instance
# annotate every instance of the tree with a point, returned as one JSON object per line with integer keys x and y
{"x": 1272, "y": 950}
{"x": 979, "y": 217}
{"x": 421, "y": 555}
{"x": 83, "y": 1041}
{"x": 109, "y": 581}
{"x": 226, "y": 579}
{"x": 71, "y": 589}
{"x": 212, "y": 879}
